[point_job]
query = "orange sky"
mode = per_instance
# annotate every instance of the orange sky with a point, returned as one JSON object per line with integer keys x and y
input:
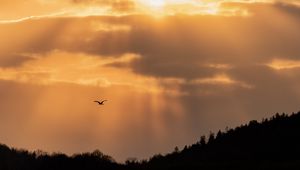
{"x": 171, "y": 71}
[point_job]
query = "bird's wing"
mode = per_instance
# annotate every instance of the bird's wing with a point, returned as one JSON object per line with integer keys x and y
{"x": 97, "y": 101}
{"x": 104, "y": 101}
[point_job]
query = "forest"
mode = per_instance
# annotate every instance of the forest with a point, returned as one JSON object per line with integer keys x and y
{"x": 272, "y": 143}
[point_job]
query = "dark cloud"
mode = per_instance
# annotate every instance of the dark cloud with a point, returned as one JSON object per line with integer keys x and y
{"x": 13, "y": 60}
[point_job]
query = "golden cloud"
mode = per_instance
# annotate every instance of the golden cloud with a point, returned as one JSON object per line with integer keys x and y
{"x": 284, "y": 64}
{"x": 221, "y": 79}
{"x": 58, "y": 67}
{"x": 55, "y": 8}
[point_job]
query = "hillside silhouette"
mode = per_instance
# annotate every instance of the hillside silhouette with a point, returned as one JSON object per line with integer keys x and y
{"x": 270, "y": 144}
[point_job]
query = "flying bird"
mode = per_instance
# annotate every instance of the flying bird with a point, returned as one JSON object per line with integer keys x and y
{"x": 100, "y": 103}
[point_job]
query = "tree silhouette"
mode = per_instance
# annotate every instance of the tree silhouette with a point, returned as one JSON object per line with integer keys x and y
{"x": 211, "y": 137}
{"x": 202, "y": 141}
{"x": 270, "y": 144}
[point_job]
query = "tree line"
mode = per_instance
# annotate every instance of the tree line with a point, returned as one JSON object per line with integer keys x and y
{"x": 273, "y": 143}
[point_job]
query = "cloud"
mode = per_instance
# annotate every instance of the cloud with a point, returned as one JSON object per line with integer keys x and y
{"x": 180, "y": 46}
{"x": 186, "y": 47}
{"x": 63, "y": 8}
{"x": 220, "y": 79}
{"x": 115, "y": 5}
{"x": 13, "y": 60}
{"x": 279, "y": 64}
{"x": 16, "y": 10}
{"x": 81, "y": 69}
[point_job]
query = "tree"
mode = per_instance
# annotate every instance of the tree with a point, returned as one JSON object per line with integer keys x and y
{"x": 202, "y": 140}
{"x": 131, "y": 161}
{"x": 176, "y": 150}
{"x": 219, "y": 135}
{"x": 211, "y": 137}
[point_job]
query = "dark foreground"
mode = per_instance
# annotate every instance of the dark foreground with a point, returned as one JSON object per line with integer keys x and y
{"x": 271, "y": 144}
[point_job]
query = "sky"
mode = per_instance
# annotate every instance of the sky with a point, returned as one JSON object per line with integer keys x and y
{"x": 171, "y": 70}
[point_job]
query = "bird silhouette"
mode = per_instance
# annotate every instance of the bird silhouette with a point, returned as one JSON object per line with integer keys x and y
{"x": 100, "y": 103}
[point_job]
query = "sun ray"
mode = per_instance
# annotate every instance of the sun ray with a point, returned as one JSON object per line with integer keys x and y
{"x": 154, "y": 3}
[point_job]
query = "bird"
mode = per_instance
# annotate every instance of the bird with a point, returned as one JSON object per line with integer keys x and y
{"x": 100, "y": 103}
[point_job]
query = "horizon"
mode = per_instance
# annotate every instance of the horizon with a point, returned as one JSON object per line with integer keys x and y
{"x": 171, "y": 70}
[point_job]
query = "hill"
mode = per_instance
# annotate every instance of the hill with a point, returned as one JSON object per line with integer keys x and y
{"x": 271, "y": 144}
